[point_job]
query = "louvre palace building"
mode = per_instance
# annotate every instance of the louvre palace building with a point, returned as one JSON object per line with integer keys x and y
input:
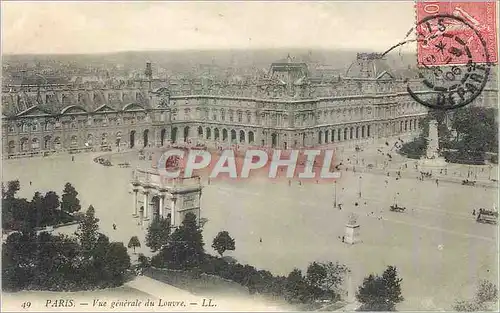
{"x": 287, "y": 108}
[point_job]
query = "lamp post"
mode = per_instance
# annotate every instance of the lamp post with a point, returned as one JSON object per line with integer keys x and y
{"x": 335, "y": 194}
{"x": 360, "y": 186}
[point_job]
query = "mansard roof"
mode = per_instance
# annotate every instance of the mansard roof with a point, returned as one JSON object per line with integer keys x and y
{"x": 62, "y": 101}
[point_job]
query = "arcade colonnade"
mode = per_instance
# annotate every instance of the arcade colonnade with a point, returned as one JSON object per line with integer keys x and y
{"x": 223, "y": 135}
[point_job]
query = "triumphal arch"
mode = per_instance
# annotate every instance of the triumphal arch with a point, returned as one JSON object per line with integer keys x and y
{"x": 157, "y": 196}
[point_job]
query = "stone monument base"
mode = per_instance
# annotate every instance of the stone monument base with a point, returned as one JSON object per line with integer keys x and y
{"x": 351, "y": 234}
{"x": 431, "y": 163}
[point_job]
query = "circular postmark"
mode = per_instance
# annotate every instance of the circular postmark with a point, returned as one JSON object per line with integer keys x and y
{"x": 453, "y": 63}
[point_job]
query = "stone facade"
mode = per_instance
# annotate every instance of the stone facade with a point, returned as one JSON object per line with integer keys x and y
{"x": 156, "y": 196}
{"x": 284, "y": 109}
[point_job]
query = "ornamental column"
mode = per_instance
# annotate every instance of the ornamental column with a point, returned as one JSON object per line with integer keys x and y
{"x": 172, "y": 211}
{"x": 135, "y": 203}
{"x": 160, "y": 210}
{"x": 146, "y": 205}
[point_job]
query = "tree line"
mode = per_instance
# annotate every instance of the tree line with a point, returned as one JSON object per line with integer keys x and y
{"x": 43, "y": 261}
{"x": 183, "y": 249}
{"x": 41, "y": 211}
{"x": 474, "y": 134}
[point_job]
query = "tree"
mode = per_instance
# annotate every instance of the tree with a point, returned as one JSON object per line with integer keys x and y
{"x": 296, "y": 288}
{"x": 223, "y": 242}
{"x": 380, "y": 293}
{"x": 87, "y": 230}
{"x": 134, "y": 243}
{"x": 486, "y": 292}
{"x": 13, "y": 187}
{"x": 117, "y": 261}
{"x": 51, "y": 201}
{"x": 70, "y": 203}
{"x": 143, "y": 260}
{"x": 158, "y": 233}
{"x": 185, "y": 246}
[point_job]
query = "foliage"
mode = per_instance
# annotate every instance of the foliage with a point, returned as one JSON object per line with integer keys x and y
{"x": 62, "y": 263}
{"x": 468, "y": 306}
{"x": 51, "y": 200}
{"x": 87, "y": 230}
{"x": 380, "y": 293}
{"x": 158, "y": 233}
{"x": 223, "y": 242}
{"x": 134, "y": 243}
{"x": 70, "y": 203}
{"x": 476, "y": 131}
{"x": 12, "y": 188}
{"x": 41, "y": 211}
{"x": 185, "y": 246}
{"x": 486, "y": 292}
{"x": 143, "y": 261}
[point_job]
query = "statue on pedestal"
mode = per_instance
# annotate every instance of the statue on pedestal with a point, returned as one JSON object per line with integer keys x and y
{"x": 352, "y": 230}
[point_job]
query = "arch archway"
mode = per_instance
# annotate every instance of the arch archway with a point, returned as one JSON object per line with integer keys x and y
{"x": 233, "y": 135}
{"x": 303, "y": 139}
{"x": 224, "y": 134}
{"x": 104, "y": 139}
{"x": 251, "y": 137}
{"x": 274, "y": 140}
{"x": 345, "y": 133}
{"x": 57, "y": 143}
{"x": 155, "y": 201}
{"x": 24, "y": 144}
{"x": 242, "y": 136}
{"x": 200, "y": 132}
{"x": 162, "y": 136}
{"x": 351, "y": 133}
{"x": 74, "y": 142}
{"x": 186, "y": 133}
{"x": 132, "y": 139}
{"x": 46, "y": 143}
{"x": 35, "y": 144}
{"x": 11, "y": 147}
{"x": 145, "y": 137}
{"x": 320, "y": 137}
{"x": 216, "y": 134}
{"x": 118, "y": 139}
{"x": 327, "y": 134}
{"x": 357, "y": 132}
{"x": 174, "y": 135}
{"x": 209, "y": 133}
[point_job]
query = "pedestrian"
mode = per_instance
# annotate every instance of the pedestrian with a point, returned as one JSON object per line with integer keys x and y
{"x": 73, "y": 158}
{"x": 114, "y": 226}
{"x": 30, "y": 183}
{"x": 474, "y": 212}
{"x": 343, "y": 238}
{"x": 260, "y": 240}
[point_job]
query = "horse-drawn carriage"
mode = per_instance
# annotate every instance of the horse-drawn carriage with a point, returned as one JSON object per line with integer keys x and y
{"x": 467, "y": 182}
{"x": 487, "y": 216}
{"x": 397, "y": 208}
{"x": 124, "y": 165}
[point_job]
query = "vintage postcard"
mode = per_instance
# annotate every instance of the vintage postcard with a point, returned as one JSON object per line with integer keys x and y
{"x": 249, "y": 156}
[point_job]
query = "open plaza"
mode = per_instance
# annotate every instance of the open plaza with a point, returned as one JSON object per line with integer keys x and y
{"x": 436, "y": 244}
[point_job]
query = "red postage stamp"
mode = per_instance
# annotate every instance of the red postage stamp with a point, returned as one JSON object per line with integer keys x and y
{"x": 453, "y": 33}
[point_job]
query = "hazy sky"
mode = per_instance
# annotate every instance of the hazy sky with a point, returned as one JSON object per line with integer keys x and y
{"x": 91, "y": 27}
